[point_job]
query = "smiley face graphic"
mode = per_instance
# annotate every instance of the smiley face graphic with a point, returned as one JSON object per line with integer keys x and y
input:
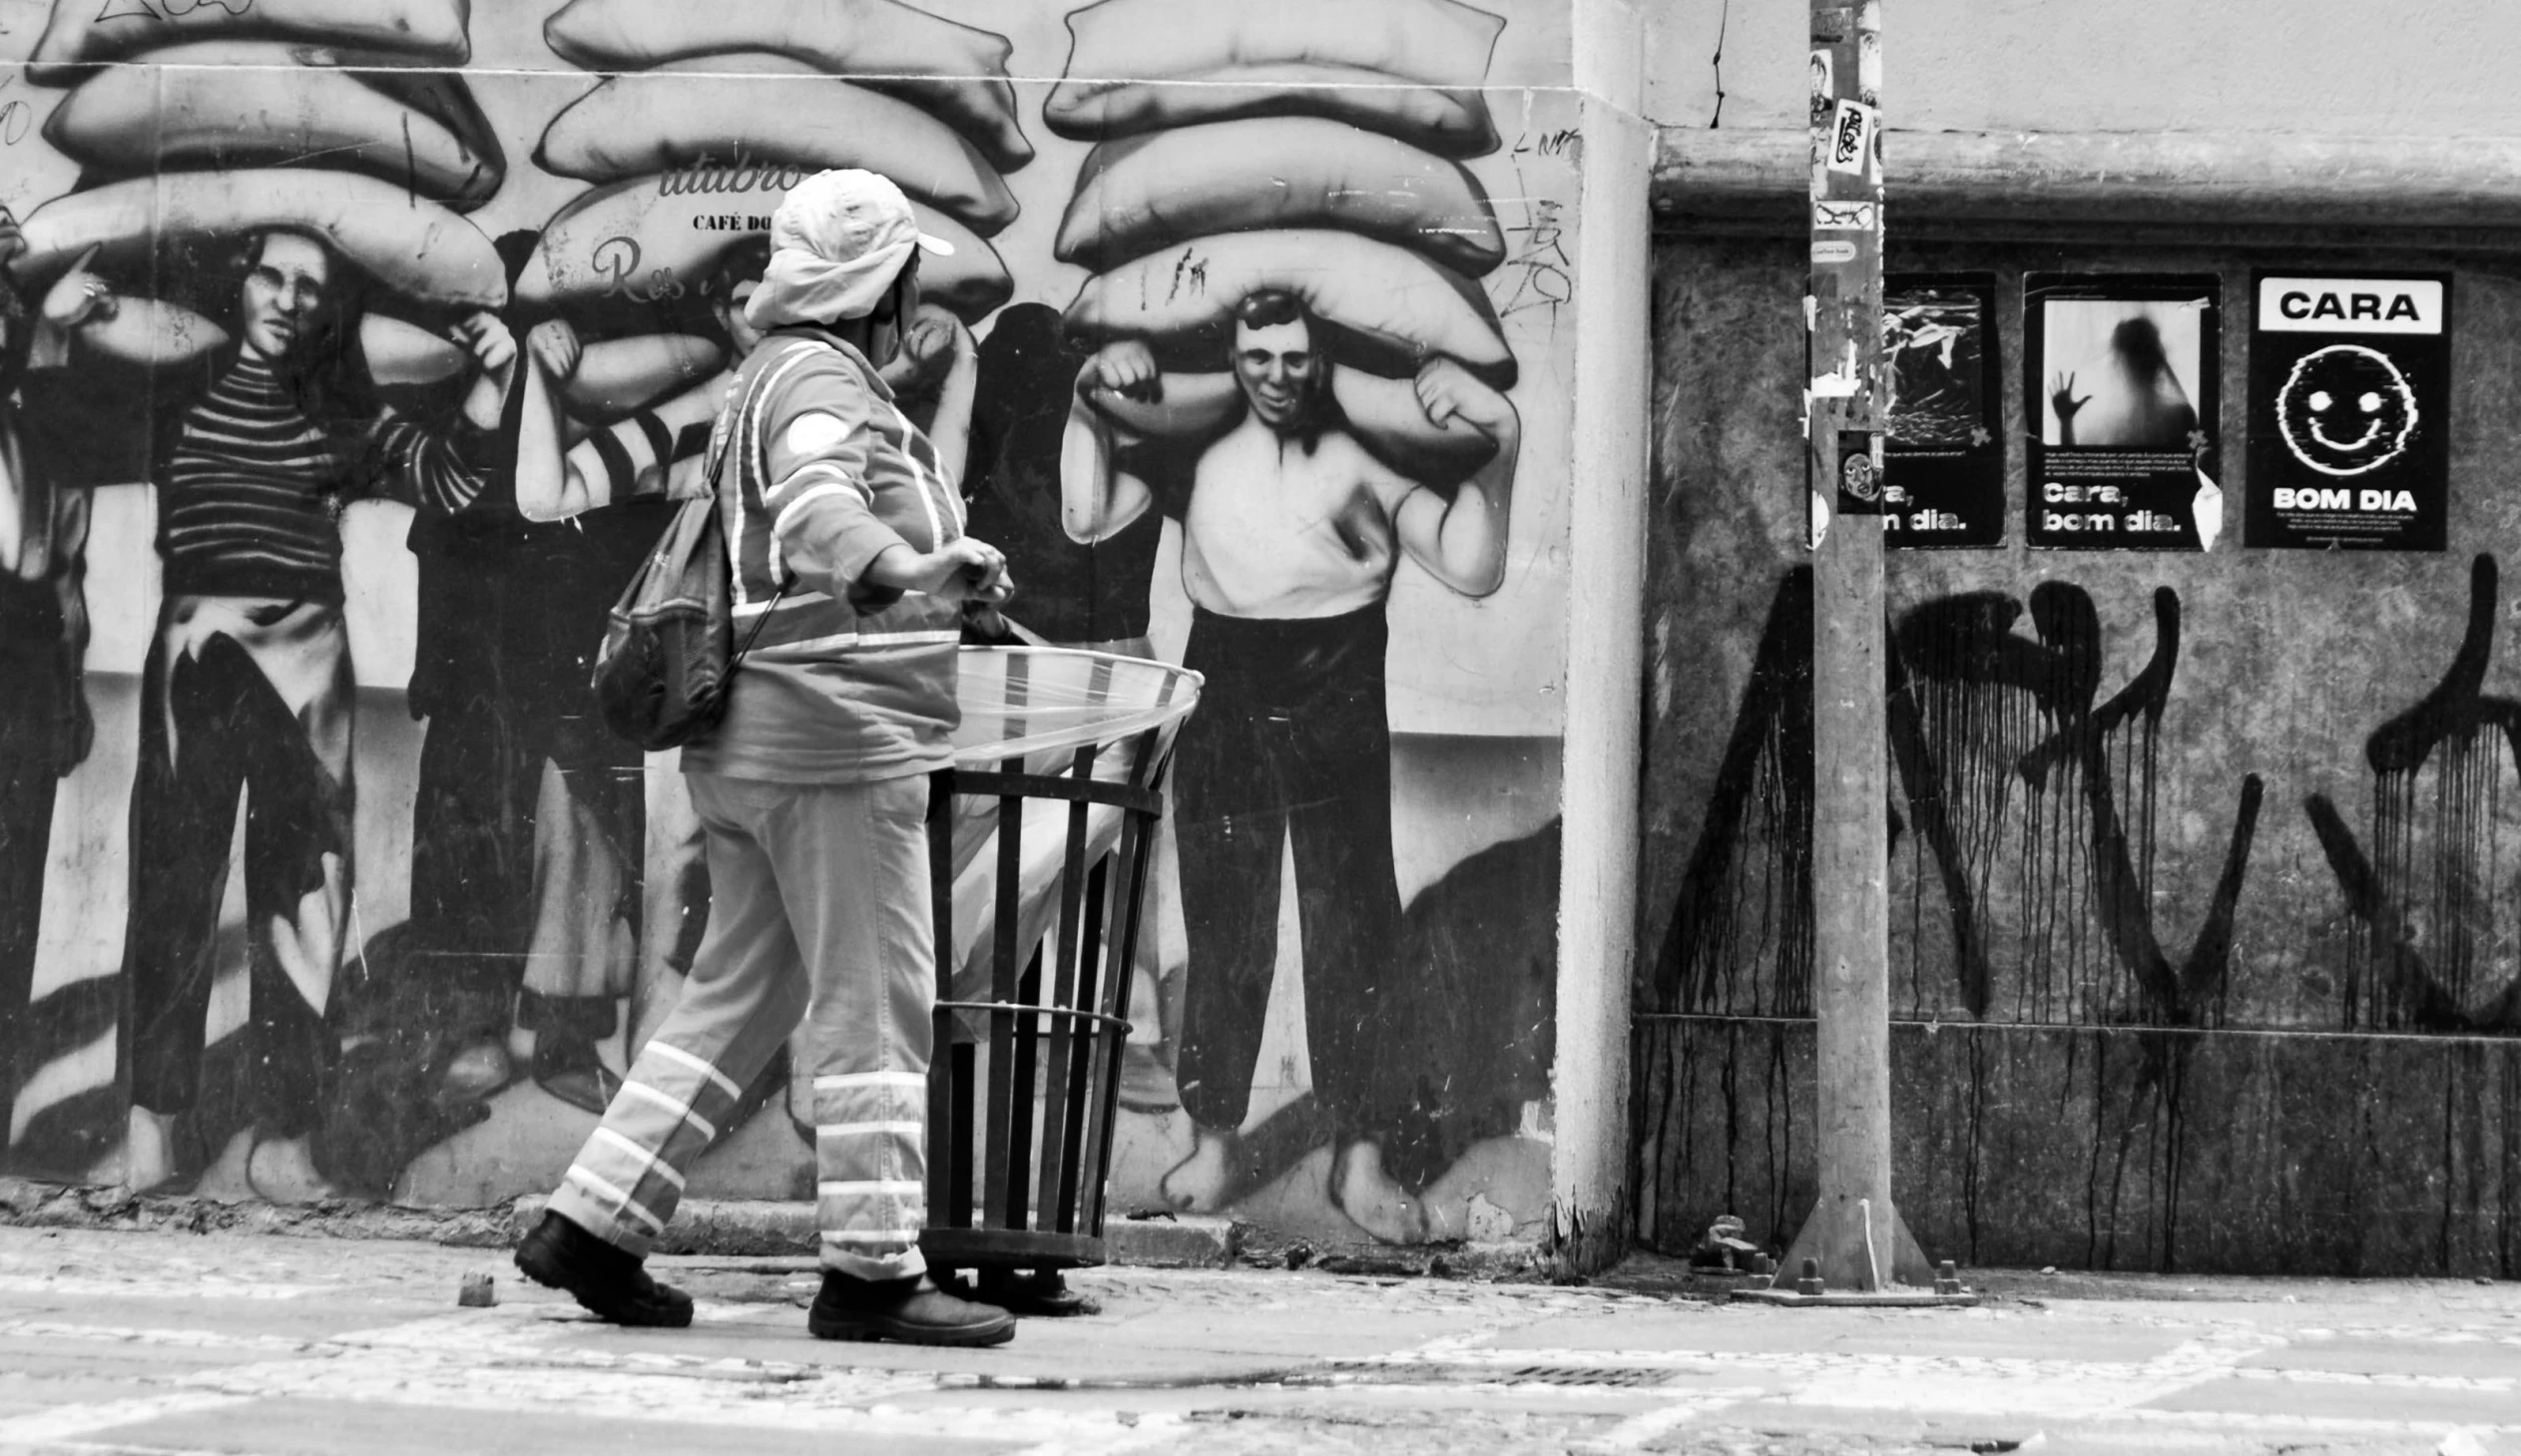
{"x": 2347, "y": 409}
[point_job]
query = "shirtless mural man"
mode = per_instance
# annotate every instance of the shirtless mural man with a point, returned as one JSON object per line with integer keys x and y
{"x": 1292, "y": 527}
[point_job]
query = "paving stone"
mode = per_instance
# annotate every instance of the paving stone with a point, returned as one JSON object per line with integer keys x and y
{"x": 192, "y": 1342}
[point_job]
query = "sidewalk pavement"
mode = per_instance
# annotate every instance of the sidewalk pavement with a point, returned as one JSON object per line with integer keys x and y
{"x": 139, "y": 1343}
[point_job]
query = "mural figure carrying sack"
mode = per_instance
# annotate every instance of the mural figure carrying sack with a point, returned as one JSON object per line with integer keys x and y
{"x": 813, "y": 794}
{"x": 1291, "y": 530}
{"x": 249, "y": 682}
{"x": 46, "y": 730}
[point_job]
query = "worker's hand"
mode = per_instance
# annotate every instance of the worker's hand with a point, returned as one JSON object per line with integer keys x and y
{"x": 971, "y": 570}
{"x": 962, "y": 570}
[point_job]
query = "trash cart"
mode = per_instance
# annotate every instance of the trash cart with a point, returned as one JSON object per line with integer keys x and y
{"x": 1039, "y": 838}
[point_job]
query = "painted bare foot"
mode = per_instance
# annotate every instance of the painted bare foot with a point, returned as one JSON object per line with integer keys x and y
{"x": 1361, "y": 1188}
{"x": 1204, "y": 1182}
{"x": 1147, "y": 1078}
{"x": 149, "y": 1156}
{"x": 282, "y": 1171}
{"x": 479, "y": 1070}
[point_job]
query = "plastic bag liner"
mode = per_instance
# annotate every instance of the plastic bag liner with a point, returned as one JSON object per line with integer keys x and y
{"x": 1023, "y": 700}
{"x": 1039, "y": 864}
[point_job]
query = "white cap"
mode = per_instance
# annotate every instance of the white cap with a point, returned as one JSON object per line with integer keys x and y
{"x": 837, "y": 241}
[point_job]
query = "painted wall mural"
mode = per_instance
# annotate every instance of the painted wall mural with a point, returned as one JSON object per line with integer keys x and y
{"x": 2204, "y": 894}
{"x": 350, "y": 352}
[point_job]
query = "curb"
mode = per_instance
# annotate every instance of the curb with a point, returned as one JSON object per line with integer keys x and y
{"x": 29, "y": 1205}
{"x": 1173, "y": 1241}
{"x": 733, "y": 1227}
{"x": 742, "y": 1228}
{"x": 1508, "y": 1261}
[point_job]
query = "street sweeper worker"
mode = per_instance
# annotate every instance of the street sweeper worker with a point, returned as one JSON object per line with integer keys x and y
{"x": 813, "y": 792}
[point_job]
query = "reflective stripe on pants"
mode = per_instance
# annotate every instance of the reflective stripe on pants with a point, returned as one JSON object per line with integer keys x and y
{"x": 819, "y": 908}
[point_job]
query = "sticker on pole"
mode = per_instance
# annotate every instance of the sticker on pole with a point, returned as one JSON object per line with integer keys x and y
{"x": 1833, "y": 250}
{"x": 1851, "y": 138}
{"x": 1842, "y": 216}
{"x": 1859, "y": 473}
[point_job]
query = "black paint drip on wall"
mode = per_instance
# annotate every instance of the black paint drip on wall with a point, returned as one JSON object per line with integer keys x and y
{"x": 1731, "y": 917}
{"x": 1979, "y": 715}
{"x": 2429, "y": 905}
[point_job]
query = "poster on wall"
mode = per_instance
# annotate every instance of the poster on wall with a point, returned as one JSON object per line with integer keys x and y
{"x": 2350, "y": 411}
{"x": 2121, "y": 376}
{"x": 1944, "y": 465}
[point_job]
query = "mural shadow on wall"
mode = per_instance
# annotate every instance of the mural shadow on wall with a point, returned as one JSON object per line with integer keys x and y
{"x": 1481, "y": 1050}
{"x": 386, "y": 1103}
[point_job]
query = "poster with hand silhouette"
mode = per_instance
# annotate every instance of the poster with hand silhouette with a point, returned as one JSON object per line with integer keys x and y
{"x": 1944, "y": 463}
{"x": 2121, "y": 381}
{"x": 2350, "y": 411}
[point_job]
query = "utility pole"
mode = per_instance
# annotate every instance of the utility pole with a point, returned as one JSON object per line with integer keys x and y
{"x": 1855, "y": 1232}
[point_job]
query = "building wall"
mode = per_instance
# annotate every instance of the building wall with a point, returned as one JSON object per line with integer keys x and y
{"x": 2427, "y": 70}
{"x": 545, "y": 858}
{"x": 2334, "y": 1086}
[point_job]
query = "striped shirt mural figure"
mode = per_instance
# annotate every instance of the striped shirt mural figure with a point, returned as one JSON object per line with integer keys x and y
{"x": 249, "y": 680}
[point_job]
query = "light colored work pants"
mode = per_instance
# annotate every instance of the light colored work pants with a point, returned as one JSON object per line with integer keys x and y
{"x": 821, "y": 909}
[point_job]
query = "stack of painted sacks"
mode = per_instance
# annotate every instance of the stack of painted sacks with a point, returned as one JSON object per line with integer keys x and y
{"x": 204, "y": 124}
{"x": 1308, "y": 146}
{"x": 725, "y": 106}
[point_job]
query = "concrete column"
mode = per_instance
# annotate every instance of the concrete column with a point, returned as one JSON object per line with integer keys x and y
{"x": 1605, "y": 646}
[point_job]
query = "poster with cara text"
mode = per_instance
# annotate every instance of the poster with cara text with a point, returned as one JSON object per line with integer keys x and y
{"x": 2350, "y": 411}
{"x": 2121, "y": 372}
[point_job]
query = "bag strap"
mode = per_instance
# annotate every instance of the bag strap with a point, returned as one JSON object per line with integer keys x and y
{"x": 759, "y": 623}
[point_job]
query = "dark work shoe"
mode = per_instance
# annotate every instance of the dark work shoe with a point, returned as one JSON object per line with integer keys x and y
{"x": 611, "y": 1285}
{"x": 913, "y": 1311}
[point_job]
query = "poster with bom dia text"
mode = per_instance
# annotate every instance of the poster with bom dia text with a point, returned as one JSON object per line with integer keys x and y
{"x": 2121, "y": 377}
{"x": 1945, "y": 464}
{"x": 2350, "y": 411}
